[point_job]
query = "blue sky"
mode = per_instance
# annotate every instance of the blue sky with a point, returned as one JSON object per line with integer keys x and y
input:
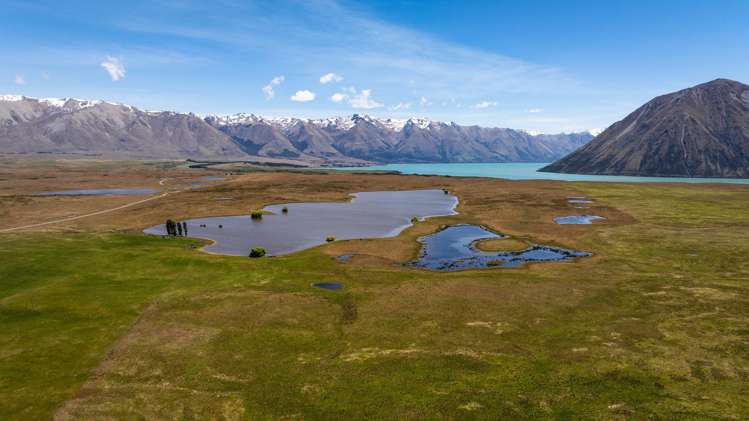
{"x": 549, "y": 66}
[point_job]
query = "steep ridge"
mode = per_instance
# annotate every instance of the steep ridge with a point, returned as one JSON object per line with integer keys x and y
{"x": 701, "y": 131}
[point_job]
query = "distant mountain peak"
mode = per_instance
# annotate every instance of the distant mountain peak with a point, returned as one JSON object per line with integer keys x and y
{"x": 100, "y": 128}
{"x": 702, "y": 131}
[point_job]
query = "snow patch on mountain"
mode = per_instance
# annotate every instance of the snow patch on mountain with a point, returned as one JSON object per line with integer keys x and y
{"x": 12, "y": 98}
{"x": 338, "y": 122}
{"x": 64, "y": 103}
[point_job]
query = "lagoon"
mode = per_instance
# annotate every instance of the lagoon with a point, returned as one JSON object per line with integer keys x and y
{"x": 527, "y": 171}
{"x": 367, "y": 215}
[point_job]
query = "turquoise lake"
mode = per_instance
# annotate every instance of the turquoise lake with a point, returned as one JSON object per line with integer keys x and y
{"x": 528, "y": 171}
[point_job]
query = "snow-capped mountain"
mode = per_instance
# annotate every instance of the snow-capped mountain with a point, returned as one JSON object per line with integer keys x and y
{"x": 343, "y": 123}
{"x": 100, "y": 128}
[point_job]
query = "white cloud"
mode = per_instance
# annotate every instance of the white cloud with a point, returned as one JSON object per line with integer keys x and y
{"x": 535, "y": 110}
{"x": 268, "y": 89}
{"x": 20, "y": 79}
{"x": 114, "y": 67}
{"x": 424, "y": 102}
{"x": 485, "y": 104}
{"x": 303, "y": 96}
{"x": 595, "y": 131}
{"x": 363, "y": 100}
{"x": 330, "y": 77}
{"x": 338, "y": 97}
{"x": 357, "y": 99}
{"x": 401, "y": 106}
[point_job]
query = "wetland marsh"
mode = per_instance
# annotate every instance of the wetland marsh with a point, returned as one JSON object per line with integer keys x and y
{"x": 99, "y": 320}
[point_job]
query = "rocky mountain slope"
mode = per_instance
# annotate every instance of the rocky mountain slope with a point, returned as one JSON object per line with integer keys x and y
{"x": 98, "y": 128}
{"x": 701, "y": 131}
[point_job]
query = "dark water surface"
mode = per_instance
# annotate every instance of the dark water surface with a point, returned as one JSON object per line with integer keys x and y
{"x": 328, "y": 285}
{"x": 453, "y": 248}
{"x": 99, "y": 192}
{"x": 367, "y": 215}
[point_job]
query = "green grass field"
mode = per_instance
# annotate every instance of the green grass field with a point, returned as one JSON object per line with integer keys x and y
{"x": 123, "y": 325}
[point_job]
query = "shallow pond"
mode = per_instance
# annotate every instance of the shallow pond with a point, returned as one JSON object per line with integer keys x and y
{"x": 577, "y": 219}
{"x": 99, "y": 192}
{"x": 454, "y": 248}
{"x": 328, "y": 285}
{"x": 367, "y": 215}
{"x": 580, "y": 201}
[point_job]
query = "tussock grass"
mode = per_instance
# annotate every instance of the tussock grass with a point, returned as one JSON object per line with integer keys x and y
{"x": 122, "y": 325}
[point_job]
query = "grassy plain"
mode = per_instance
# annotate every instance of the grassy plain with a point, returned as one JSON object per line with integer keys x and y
{"x": 100, "y": 321}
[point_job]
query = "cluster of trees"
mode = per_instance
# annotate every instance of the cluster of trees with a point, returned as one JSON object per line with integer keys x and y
{"x": 176, "y": 228}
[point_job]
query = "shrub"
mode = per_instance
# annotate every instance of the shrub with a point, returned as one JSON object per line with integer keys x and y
{"x": 414, "y": 219}
{"x": 285, "y": 210}
{"x": 257, "y": 252}
{"x": 330, "y": 239}
{"x": 256, "y": 214}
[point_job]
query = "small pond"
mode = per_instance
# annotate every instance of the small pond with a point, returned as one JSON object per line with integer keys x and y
{"x": 454, "y": 248}
{"x": 328, "y": 285}
{"x": 367, "y": 215}
{"x": 99, "y": 192}
{"x": 580, "y": 201}
{"x": 577, "y": 219}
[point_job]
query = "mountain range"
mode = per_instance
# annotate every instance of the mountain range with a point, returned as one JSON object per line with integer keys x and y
{"x": 702, "y": 131}
{"x": 104, "y": 129}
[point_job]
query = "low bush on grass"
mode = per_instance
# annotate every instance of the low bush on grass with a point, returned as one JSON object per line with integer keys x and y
{"x": 257, "y": 252}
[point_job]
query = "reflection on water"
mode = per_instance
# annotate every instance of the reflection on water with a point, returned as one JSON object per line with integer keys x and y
{"x": 454, "y": 248}
{"x": 367, "y": 215}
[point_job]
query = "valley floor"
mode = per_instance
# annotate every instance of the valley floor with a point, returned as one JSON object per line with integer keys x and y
{"x": 98, "y": 320}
